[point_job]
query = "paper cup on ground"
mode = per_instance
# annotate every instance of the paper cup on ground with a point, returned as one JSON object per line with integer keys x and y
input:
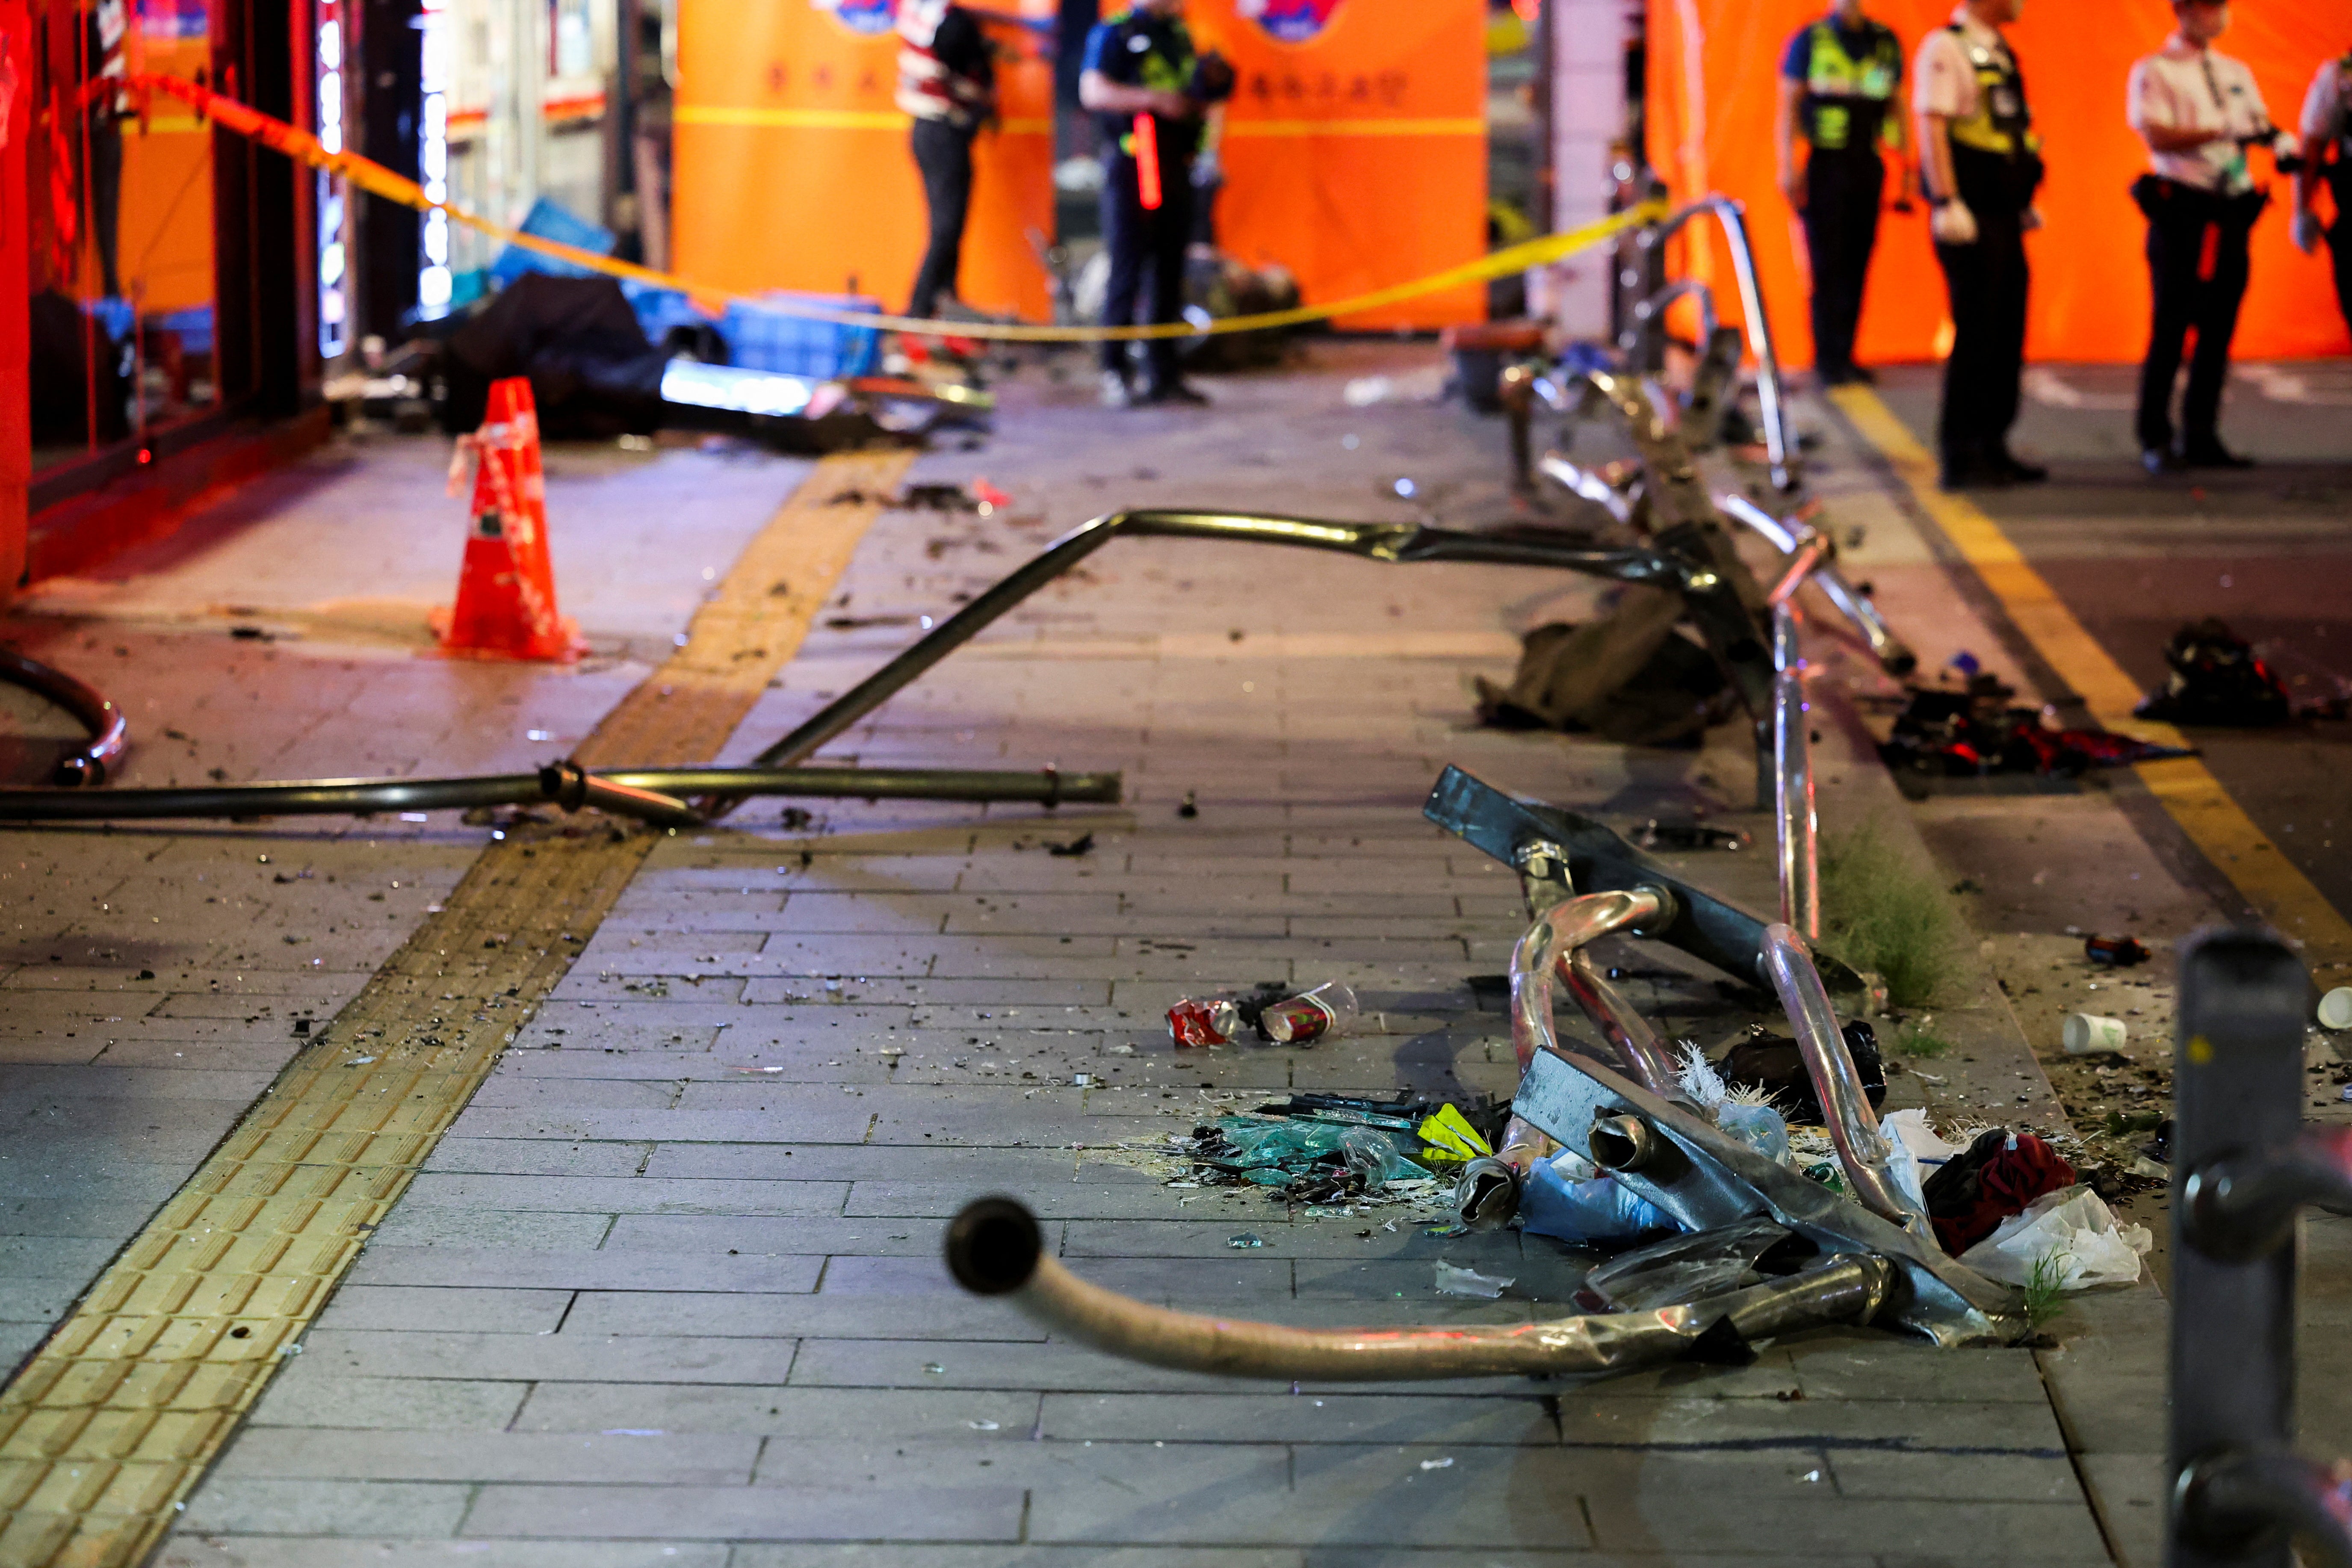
{"x": 2335, "y": 1008}
{"x": 2087, "y": 1034}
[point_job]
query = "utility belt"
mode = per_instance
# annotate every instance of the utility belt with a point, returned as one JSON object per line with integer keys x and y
{"x": 1995, "y": 182}
{"x": 2166, "y": 201}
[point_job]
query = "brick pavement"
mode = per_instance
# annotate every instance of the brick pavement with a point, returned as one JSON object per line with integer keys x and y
{"x": 669, "y": 1293}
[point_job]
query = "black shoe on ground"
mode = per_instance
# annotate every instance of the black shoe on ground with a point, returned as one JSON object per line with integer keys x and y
{"x": 1972, "y": 473}
{"x": 2016, "y": 471}
{"x": 2212, "y": 455}
{"x": 2159, "y": 462}
{"x": 1848, "y": 376}
{"x": 1181, "y": 393}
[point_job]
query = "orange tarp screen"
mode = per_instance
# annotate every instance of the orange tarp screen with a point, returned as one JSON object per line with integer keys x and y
{"x": 1355, "y": 148}
{"x": 792, "y": 167}
{"x": 1714, "y": 65}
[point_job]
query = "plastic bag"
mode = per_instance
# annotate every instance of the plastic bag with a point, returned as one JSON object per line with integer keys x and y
{"x": 2072, "y": 1236}
{"x": 1760, "y": 1127}
{"x": 1373, "y": 1156}
{"x": 1686, "y": 1269}
{"x": 1553, "y": 1202}
{"x": 1453, "y": 1281}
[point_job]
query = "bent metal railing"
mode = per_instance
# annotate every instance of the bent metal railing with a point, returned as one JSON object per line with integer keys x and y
{"x": 2244, "y": 1166}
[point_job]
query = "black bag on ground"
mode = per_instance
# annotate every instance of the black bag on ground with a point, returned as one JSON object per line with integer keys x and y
{"x": 2217, "y": 679}
{"x": 1774, "y": 1064}
{"x": 1629, "y": 677}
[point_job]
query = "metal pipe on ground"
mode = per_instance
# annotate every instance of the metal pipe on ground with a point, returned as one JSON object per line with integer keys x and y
{"x": 993, "y": 1249}
{"x": 1399, "y": 543}
{"x": 650, "y": 794}
{"x": 110, "y": 731}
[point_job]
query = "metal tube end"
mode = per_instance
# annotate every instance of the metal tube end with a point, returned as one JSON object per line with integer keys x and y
{"x": 993, "y": 1246}
{"x": 1622, "y": 1143}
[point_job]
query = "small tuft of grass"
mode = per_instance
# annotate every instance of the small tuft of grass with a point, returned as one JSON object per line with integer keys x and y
{"x": 1880, "y": 912}
{"x": 2045, "y": 1289}
{"x": 1918, "y": 1040}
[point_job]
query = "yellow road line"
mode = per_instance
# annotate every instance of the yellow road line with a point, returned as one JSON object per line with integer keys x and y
{"x": 2185, "y": 786}
{"x": 114, "y": 1420}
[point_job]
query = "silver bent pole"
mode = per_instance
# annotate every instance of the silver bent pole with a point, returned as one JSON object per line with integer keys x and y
{"x": 109, "y": 731}
{"x": 1390, "y": 541}
{"x": 1769, "y": 393}
{"x": 1861, "y": 1150}
{"x": 1893, "y": 654}
{"x": 1796, "y": 824}
{"x": 993, "y": 1249}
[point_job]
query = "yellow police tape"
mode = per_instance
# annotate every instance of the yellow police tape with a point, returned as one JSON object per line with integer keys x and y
{"x": 374, "y": 178}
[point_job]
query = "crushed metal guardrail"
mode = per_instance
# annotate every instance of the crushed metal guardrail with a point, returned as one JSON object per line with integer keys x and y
{"x": 110, "y": 731}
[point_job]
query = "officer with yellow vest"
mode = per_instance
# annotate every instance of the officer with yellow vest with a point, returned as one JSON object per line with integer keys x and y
{"x": 1982, "y": 163}
{"x": 1842, "y": 90}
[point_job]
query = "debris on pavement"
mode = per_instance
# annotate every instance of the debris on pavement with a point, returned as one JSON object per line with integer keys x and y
{"x": 1998, "y": 1178}
{"x": 1084, "y": 843}
{"x": 1324, "y": 1013}
{"x": 1629, "y": 677}
{"x": 2066, "y": 1240}
{"x": 1677, "y": 836}
{"x": 1454, "y": 1281}
{"x": 1977, "y": 732}
{"x": 2089, "y": 1034}
{"x": 2335, "y": 1011}
{"x": 1684, "y": 1267}
{"x": 2115, "y": 952}
{"x": 2217, "y": 679}
{"x": 1773, "y": 1065}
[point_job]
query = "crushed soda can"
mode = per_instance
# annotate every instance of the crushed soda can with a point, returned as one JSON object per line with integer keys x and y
{"x": 1311, "y": 1016}
{"x": 2115, "y": 952}
{"x": 1193, "y": 1022}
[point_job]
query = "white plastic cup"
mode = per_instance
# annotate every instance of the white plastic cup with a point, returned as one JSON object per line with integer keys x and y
{"x": 2088, "y": 1034}
{"x": 2335, "y": 1008}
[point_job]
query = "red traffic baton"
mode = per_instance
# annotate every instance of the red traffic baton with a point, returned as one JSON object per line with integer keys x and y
{"x": 1147, "y": 162}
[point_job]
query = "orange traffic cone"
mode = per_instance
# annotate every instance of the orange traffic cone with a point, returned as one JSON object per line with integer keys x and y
{"x": 506, "y": 592}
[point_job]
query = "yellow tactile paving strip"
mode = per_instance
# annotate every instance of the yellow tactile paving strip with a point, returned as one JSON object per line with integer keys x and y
{"x": 112, "y": 1423}
{"x": 2185, "y": 786}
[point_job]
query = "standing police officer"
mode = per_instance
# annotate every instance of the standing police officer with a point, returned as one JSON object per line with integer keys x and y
{"x": 2199, "y": 111}
{"x": 2327, "y": 123}
{"x": 1981, "y": 163}
{"x": 1841, "y": 88}
{"x": 1139, "y": 66}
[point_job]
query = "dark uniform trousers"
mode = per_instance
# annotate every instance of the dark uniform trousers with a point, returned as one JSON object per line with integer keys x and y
{"x": 1843, "y": 193}
{"x": 943, "y": 154}
{"x": 1147, "y": 258}
{"x": 1988, "y": 282}
{"x": 2340, "y": 238}
{"x": 2198, "y": 264}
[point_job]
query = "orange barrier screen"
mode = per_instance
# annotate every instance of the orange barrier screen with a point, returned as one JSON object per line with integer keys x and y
{"x": 1355, "y": 149}
{"x": 793, "y": 168}
{"x": 1714, "y": 67}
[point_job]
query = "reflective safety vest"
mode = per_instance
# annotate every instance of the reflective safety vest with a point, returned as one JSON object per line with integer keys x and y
{"x": 2002, "y": 124}
{"x": 1843, "y": 95}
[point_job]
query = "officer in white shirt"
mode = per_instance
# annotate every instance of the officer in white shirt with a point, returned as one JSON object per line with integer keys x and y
{"x": 2327, "y": 124}
{"x": 1981, "y": 163}
{"x": 2200, "y": 111}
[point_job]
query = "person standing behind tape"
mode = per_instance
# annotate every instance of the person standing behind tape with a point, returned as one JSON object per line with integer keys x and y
{"x": 1842, "y": 89}
{"x": 2199, "y": 111}
{"x": 947, "y": 81}
{"x": 2327, "y": 123}
{"x": 1138, "y": 67}
{"x": 1981, "y": 163}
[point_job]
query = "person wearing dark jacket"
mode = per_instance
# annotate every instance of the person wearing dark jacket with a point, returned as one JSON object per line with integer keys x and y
{"x": 947, "y": 81}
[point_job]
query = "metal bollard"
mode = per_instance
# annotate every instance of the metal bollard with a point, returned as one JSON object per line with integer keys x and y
{"x": 2244, "y": 1166}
